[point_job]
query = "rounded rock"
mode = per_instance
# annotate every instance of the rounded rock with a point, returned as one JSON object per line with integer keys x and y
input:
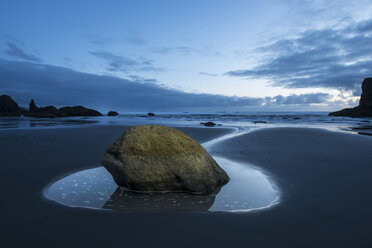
{"x": 161, "y": 158}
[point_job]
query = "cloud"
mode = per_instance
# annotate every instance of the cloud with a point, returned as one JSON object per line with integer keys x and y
{"x": 206, "y": 50}
{"x": 100, "y": 40}
{"x": 332, "y": 58}
{"x": 208, "y": 74}
{"x": 120, "y": 63}
{"x": 60, "y": 86}
{"x": 165, "y": 50}
{"x": 15, "y": 51}
{"x": 312, "y": 98}
{"x": 135, "y": 38}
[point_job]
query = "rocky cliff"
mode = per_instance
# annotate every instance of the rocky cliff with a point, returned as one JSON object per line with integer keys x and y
{"x": 364, "y": 109}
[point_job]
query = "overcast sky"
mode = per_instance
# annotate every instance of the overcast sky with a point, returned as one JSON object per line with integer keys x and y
{"x": 202, "y": 54}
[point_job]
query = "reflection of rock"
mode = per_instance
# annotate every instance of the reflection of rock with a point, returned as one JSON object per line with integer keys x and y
{"x": 365, "y": 104}
{"x": 161, "y": 158}
{"x": 8, "y": 107}
{"x": 112, "y": 113}
{"x": 125, "y": 200}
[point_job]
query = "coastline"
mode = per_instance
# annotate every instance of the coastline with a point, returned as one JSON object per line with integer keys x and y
{"x": 323, "y": 201}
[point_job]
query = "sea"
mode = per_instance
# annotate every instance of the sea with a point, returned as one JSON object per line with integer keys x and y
{"x": 237, "y": 120}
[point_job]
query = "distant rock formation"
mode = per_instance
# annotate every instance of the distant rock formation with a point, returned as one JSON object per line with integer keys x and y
{"x": 161, "y": 158}
{"x": 42, "y": 112}
{"x": 150, "y": 114}
{"x": 78, "y": 111}
{"x": 32, "y": 107}
{"x": 112, "y": 113}
{"x": 208, "y": 124}
{"x": 8, "y": 107}
{"x": 364, "y": 109}
{"x": 53, "y": 112}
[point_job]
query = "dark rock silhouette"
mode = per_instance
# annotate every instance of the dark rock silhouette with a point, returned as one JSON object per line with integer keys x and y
{"x": 112, "y": 113}
{"x": 150, "y": 114}
{"x": 32, "y": 107}
{"x": 257, "y": 122}
{"x": 364, "y": 109}
{"x": 78, "y": 111}
{"x": 8, "y": 107}
{"x": 53, "y": 112}
{"x": 208, "y": 124}
{"x": 24, "y": 112}
{"x": 161, "y": 158}
{"x": 48, "y": 112}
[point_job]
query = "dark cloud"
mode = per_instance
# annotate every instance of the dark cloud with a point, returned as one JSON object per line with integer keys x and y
{"x": 125, "y": 64}
{"x": 15, "y": 51}
{"x": 303, "y": 99}
{"x": 335, "y": 58}
{"x": 138, "y": 79}
{"x": 61, "y": 86}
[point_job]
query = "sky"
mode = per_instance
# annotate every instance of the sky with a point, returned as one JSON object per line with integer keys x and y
{"x": 202, "y": 55}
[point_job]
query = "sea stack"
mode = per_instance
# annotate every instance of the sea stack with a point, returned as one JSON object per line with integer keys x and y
{"x": 8, "y": 107}
{"x": 161, "y": 158}
{"x": 53, "y": 112}
{"x": 112, "y": 113}
{"x": 364, "y": 109}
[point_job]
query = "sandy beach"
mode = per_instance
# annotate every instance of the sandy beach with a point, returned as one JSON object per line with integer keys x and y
{"x": 324, "y": 180}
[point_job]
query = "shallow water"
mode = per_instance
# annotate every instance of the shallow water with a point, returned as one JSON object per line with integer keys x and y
{"x": 248, "y": 189}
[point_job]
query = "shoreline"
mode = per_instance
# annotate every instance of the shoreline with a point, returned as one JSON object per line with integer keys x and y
{"x": 246, "y": 120}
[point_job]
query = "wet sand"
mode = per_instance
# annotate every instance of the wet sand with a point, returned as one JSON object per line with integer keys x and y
{"x": 324, "y": 177}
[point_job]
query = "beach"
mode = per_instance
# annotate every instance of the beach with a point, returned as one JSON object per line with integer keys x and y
{"x": 324, "y": 180}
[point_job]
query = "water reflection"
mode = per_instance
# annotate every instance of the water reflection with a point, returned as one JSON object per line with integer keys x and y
{"x": 247, "y": 189}
{"x": 31, "y": 122}
{"x": 122, "y": 199}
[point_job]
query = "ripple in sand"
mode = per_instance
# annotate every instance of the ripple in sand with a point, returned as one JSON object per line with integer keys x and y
{"x": 248, "y": 189}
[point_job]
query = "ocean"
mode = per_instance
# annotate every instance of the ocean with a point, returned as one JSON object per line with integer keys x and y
{"x": 239, "y": 120}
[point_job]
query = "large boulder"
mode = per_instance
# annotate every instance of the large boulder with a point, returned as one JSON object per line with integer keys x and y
{"x": 364, "y": 109}
{"x": 8, "y": 107}
{"x": 161, "y": 158}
